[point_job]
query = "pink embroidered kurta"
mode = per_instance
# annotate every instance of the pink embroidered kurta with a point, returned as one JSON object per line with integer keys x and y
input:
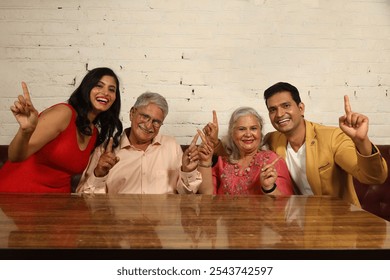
{"x": 227, "y": 180}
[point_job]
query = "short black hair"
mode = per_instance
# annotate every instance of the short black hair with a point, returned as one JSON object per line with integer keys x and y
{"x": 282, "y": 86}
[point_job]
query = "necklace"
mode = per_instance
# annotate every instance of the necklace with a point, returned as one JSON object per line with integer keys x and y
{"x": 244, "y": 172}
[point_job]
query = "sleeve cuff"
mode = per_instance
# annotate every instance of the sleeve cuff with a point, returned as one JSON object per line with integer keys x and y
{"x": 96, "y": 184}
{"x": 191, "y": 180}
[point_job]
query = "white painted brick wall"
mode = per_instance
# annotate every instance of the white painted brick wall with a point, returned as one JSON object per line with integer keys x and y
{"x": 202, "y": 55}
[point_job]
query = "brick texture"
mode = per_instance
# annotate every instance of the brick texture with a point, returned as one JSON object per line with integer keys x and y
{"x": 202, "y": 55}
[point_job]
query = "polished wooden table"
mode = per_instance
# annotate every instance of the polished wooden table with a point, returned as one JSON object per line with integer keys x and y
{"x": 64, "y": 221}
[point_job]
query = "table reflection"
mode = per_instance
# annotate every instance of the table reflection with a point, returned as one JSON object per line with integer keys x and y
{"x": 187, "y": 222}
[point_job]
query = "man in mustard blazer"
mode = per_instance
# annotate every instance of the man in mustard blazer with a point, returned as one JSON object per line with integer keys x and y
{"x": 322, "y": 159}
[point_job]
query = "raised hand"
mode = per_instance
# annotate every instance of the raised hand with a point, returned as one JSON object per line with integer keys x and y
{"x": 353, "y": 124}
{"x": 205, "y": 162}
{"x": 190, "y": 156}
{"x": 24, "y": 111}
{"x": 269, "y": 174}
{"x": 106, "y": 161}
{"x": 211, "y": 130}
{"x": 206, "y": 150}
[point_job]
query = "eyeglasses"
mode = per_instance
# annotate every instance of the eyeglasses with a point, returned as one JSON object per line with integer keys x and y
{"x": 146, "y": 118}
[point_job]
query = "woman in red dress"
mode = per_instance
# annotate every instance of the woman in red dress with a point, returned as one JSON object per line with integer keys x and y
{"x": 52, "y": 146}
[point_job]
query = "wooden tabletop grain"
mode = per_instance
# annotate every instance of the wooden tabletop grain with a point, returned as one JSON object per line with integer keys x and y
{"x": 187, "y": 222}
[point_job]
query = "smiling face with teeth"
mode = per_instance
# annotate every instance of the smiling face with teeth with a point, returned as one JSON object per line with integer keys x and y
{"x": 246, "y": 134}
{"x": 103, "y": 94}
{"x": 285, "y": 114}
{"x": 143, "y": 129}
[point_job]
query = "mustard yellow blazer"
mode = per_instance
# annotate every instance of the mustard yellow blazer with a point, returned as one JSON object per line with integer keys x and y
{"x": 332, "y": 160}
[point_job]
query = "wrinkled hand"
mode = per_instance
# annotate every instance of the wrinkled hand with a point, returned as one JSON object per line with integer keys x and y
{"x": 211, "y": 130}
{"x": 24, "y": 111}
{"x": 206, "y": 149}
{"x": 269, "y": 174}
{"x": 353, "y": 124}
{"x": 190, "y": 156}
{"x": 106, "y": 161}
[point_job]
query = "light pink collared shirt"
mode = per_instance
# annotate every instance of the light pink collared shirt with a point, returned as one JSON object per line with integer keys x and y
{"x": 154, "y": 171}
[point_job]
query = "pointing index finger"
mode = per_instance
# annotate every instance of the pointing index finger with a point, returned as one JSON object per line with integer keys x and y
{"x": 200, "y": 133}
{"x": 275, "y": 161}
{"x": 194, "y": 140}
{"x": 347, "y": 105}
{"x": 215, "y": 119}
{"x": 109, "y": 145}
{"x": 26, "y": 93}
{"x": 266, "y": 166}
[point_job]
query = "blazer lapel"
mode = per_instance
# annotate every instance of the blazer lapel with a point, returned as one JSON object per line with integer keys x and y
{"x": 311, "y": 159}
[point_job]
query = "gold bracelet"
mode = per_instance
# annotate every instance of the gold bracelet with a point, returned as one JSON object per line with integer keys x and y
{"x": 207, "y": 165}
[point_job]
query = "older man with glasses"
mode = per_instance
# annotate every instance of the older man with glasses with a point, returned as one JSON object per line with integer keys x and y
{"x": 145, "y": 162}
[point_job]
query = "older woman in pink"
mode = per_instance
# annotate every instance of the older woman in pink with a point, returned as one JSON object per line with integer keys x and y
{"x": 247, "y": 168}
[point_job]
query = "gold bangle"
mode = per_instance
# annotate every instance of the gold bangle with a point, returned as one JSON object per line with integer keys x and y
{"x": 205, "y": 165}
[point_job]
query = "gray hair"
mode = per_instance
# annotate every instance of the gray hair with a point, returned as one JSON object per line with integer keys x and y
{"x": 151, "y": 97}
{"x": 231, "y": 148}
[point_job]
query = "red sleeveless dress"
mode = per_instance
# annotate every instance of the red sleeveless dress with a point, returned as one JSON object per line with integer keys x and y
{"x": 50, "y": 169}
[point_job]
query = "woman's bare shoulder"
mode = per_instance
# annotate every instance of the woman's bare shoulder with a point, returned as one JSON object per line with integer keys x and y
{"x": 59, "y": 114}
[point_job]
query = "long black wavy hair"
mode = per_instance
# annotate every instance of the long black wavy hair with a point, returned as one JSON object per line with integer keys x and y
{"x": 107, "y": 122}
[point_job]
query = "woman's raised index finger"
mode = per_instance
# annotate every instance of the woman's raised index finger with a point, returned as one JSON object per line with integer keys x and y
{"x": 347, "y": 105}
{"x": 268, "y": 165}
{"x": 275, "y": 161}
{"x": 26, "y": 93}
{"x": 215, "y": 119}
{"x": 200, "y": 133}
{"x": 194, "y": 140}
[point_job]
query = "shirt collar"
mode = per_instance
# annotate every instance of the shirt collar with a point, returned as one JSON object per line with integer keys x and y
{"x": 124, "y": 141}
